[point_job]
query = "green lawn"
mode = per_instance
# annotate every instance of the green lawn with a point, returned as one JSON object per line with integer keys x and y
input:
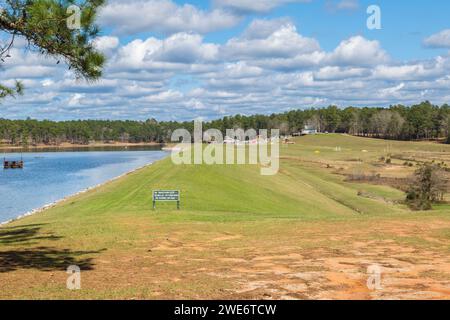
{"x": 238, "y": 235}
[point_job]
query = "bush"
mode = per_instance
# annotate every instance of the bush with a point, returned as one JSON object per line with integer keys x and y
{"x": 427, "y": 187}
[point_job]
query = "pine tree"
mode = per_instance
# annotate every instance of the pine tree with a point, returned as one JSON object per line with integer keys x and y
{"x": 43, "y": 24}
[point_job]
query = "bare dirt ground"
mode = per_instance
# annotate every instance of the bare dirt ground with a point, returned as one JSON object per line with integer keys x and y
{"x": 299, "y": 261}
{"x": 339, "y": 271}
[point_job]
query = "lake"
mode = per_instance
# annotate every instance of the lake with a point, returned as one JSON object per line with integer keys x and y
{"x": 51, "y": 176}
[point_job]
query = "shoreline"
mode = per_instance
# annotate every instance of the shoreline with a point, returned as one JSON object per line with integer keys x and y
{"x": 68, "y": 146}
{"x": 84, "y": 191}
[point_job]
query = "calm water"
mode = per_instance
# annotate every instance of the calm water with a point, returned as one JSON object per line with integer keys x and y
{"x": 51, "y": 176}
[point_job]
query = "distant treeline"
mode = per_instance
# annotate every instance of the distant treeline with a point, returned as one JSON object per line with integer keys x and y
{"x": 421, "y": 121}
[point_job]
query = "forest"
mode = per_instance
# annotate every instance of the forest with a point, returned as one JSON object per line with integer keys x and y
{"x": 423, "y": 121}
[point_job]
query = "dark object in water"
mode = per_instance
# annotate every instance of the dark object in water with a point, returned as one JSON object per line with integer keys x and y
{"x": 12, "y": 164}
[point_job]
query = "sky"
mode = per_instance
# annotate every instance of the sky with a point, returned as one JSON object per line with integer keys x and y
{"x": 183, "y": 60}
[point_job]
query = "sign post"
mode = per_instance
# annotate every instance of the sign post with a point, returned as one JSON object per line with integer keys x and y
{"x": 166, "y": 196}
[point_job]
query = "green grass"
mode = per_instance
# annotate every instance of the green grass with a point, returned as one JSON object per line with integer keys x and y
{"x": 113, "y": 229}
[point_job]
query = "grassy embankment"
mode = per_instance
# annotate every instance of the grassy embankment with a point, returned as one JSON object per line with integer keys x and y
{"x": 304, "y": 233}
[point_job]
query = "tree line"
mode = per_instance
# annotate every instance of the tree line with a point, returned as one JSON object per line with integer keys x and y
{"x": 399, "y": 122}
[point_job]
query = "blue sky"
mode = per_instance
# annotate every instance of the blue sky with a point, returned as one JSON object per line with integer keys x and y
{"x": 405, "y": 23}
{"x": 180, "y": 60}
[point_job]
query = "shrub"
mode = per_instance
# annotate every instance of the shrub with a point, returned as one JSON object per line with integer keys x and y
{"x": 427, "y": 187}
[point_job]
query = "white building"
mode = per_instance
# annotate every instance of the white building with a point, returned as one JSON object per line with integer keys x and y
{"x": 309, "y": 130}
{"x": 229, "y": 140}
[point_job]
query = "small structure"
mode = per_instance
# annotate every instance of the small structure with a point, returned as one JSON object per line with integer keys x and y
{"x": 12, "y": 164}
{"x": 229, "y": 140}
{"x": 309, "y": 130}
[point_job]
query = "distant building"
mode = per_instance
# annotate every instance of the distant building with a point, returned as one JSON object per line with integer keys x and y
{"x": 229, "y": 140}
{"x": 309, "y": 130}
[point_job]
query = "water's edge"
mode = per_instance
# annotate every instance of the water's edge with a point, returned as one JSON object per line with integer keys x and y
{"x": 86, "y": 190}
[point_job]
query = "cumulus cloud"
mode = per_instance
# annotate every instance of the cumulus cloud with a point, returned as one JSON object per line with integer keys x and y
{"x": 359, "y": 51}
{"x": 178, "y": 52}
{"x": 438, "y": 40}
{"x": 164, "y": 16}
{"x": 338, "y": 73}
{"x": 185, "y": 48}
{"x": 106, "y": 44}
{"x": 263, "y": 28}
{"x": 274, "y": 39}
{"x": 392, "y": 91}
{"x": 413, "y": 71}
{"x": 21, "y": 72}
{"x": 295, "y": 63}
{"x": 269, "y": 67}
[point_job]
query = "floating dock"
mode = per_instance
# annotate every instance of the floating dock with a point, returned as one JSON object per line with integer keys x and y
{"x": 12, "y": 164}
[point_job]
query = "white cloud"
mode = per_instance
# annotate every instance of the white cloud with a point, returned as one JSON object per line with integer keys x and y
{"x": 298, "y": 62}
{"x": 185, "y": 48}
{"x": 269, "y": 67}
{"x": 337, "y": 73}
{"x": 196, "y": 104}
{"x": 106, "y": 44}
{"x": 37, "y": 71}
{"x": 165, "y": 16}
{"x": 393, "y": 91}
{"x": 438, "y": 40}
{"x": 265, "y": 39}
{"x": 264, "y": 28}
{"x": 413, "y": 71}
{"x": 177, "y": 53}
{"x": 241, "y": 70}
{"x": 359, "y": 51}
{"x": 402, "y": 72}
{"x": 75, "y": 100}
{"x": 47, "y": 82}
{"x": 164, "y": 97}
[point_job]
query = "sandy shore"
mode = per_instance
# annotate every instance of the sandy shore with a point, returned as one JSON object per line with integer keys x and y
{"x": 58, "y": 202}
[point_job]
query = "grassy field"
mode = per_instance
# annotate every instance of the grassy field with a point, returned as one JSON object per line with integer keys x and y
{"x": 305, "y": 233}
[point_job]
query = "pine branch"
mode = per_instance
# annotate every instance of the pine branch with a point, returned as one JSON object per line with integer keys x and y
{"x": 43, "y": 24}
